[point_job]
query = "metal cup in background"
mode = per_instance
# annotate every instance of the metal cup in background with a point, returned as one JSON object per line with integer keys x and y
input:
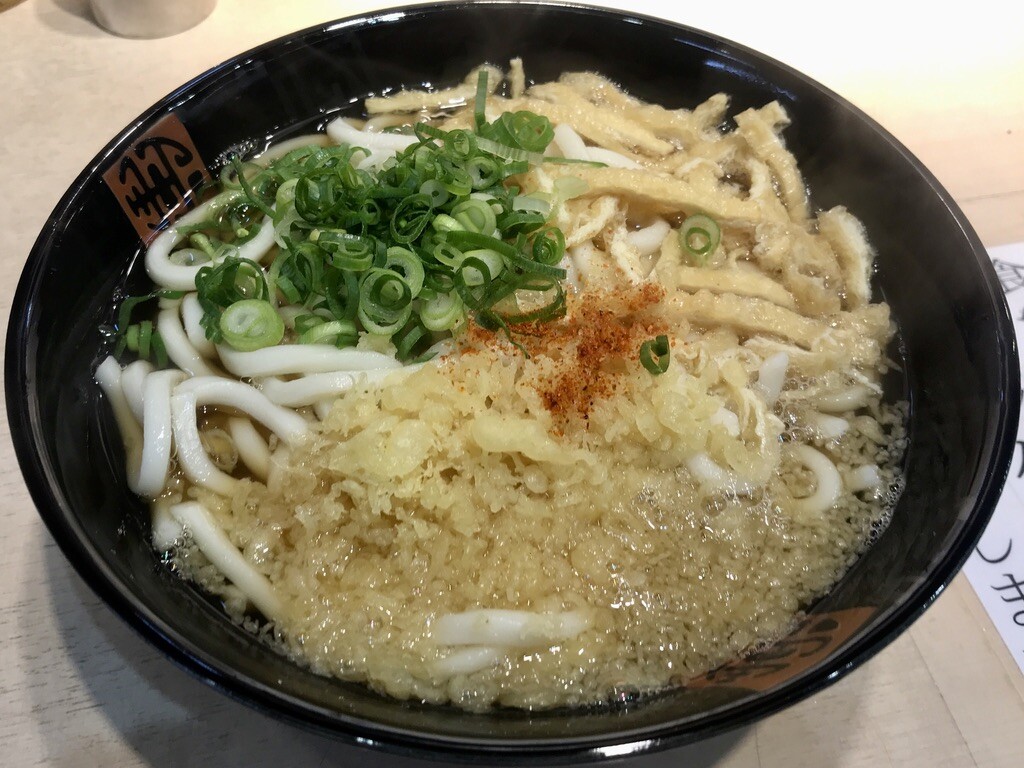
{"x": 150, "y": 18}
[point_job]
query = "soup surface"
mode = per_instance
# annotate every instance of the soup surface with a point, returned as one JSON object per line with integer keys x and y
{"x": 602, "y": 439}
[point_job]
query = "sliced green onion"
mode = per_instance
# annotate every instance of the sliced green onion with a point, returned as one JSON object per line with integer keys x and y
{"x": 491, "y": 260}
{"x": 483, "y": 171}
{"x": 408, "y": 265}
{"x": 341, "y": 333}
{"x": 475, "y": 216}
{"x": 574, "y": 161}
{"x": 447, "y": 254}
{"x": 568, "y": 187}
{"x": 435, "y": 191}
{"x": 251, "y": 324}
{"x": 480, "y": 102}
{"x": 404, "y": 250}
{"x": 655, "y": 355}
{"x": 189, "y": 257}
{"x": 512, "y": 256}
{"x": 461, "y": 144}
{"x": 699, "y": 236}
{"x": 204, "y": 244}
{"x": 285, "y": 194}
{"x": 506, "y": 152}
{"x": 532, "y": 203}
{"x": 407, "y": 339}
{"x": 455, "y": 178}
{"x": 227, "y": 283}
{"x": 555, "y": 308}
{"x": 445, "y": 223}
{"x": 385, "y": 301}
{"x": 350, "y": 252}
{"x": 548, "y": 246}
{"x": 255, "y": 198}
{"x": 523, "y": 130}
{"x": 341, "y": 293}
{"x": 442, "y": 312}
{"x": 410, "y": 218}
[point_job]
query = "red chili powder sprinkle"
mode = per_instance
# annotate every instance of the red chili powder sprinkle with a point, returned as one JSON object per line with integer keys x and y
{"x": 597, "y": 342}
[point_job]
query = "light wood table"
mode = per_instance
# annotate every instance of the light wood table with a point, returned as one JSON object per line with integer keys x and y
{"x": 78, "y": 688}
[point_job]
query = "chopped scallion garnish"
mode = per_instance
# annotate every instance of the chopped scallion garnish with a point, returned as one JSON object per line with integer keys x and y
{"x": 699, "y": 236}
{"x": 251, "y": 324}
{"x": 404, "y": 248}
{"x": 655, "y": 355}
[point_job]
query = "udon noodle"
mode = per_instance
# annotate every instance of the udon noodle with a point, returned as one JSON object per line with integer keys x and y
{"x": 614, "y": 480}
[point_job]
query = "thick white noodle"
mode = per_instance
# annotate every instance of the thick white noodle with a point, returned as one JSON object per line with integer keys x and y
{"x": 611, "y": 158}
{"x": 182, "y": 277}
{"x": 301, "y": 358}
{"x": 166, "y": 531}
{"x": 729, "y": 420}
{"x": 282, "y": 148}
{"x": 322, "y": 387}
{"x": 191, "y": 314}
{"x": 863, "y": 478}
{"x": 252, "y": 448}
{"x": 307, "y": 390}
{"x": 436, "y": 350}
{"x": 841, "y": 401}
{"x": 179, "y": 348}
{"x": 466, "y": 661}
{"x": 771, "y": 377}
{"x": 572, "y": 274}
{"x": 509, "y": 628}
{"x": 716, "y": 478}
{"x": 571, "y": 143}
{"x": 192, "y": 456}
{"x": 133, "y": 380}
{"x": 108, "y": 376}
{"x": 322, "y": 408}
{"x": 649, "y": 239}
{"x": 214, "y": 543}
{"x": 154, "y": 469}
{"x": 573, "y": 147}
{"x": 826, "y": 427}
{"x": 278, "y": 463}
{"x": 378, "y": 146}
{"x": 211, "y": 390}
{"x": 828, "y": 482}
{"x": 214, "y": 390}
{"x": 584, "y": 256}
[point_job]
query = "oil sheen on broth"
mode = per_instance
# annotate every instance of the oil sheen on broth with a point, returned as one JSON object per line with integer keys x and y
{"x": 536, "y": 516}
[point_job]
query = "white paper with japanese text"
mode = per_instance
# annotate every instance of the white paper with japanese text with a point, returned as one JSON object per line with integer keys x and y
{"x": 996, "y": 567}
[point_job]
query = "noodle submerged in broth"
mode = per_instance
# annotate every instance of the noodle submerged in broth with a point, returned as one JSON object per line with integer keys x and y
{"x": 641, "y": 460}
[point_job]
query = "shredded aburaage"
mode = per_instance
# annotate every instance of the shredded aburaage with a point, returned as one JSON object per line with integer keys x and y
{"x": 533, "y": 518}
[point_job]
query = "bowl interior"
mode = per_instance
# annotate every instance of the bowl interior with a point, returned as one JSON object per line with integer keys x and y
{"x": 960, "y": 371}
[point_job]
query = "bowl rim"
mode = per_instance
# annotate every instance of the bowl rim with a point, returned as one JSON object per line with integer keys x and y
{"x": 40, "y": 476}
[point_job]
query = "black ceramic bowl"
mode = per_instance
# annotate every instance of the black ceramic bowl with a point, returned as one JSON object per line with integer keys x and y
{"x": 961, "y": 372}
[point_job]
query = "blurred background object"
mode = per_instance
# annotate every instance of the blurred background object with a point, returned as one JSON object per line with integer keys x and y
{"x": 149, "y": 18}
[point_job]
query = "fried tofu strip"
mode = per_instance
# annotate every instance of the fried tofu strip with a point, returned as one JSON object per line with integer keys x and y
{"x": 630, "y": 133}
{"x": 748, "y": 316}
{"x": 741, "y": 282}
{"x": 587, "y": 218}
{"x": 596, "y": 125}
{"x": 665, "y": 194}
{"x": 760, "y": 128}
{"x": 432, "y": 101}
{"x": 676, "y": 275}
{"x": 516, "y": 78}
{"x": 849, "y": 243}
{"x": 689, "y": 126}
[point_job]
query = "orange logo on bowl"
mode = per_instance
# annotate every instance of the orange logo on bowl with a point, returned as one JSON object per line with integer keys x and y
{"x": 156, "y": 177}
{"x": 814, "y": 640}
